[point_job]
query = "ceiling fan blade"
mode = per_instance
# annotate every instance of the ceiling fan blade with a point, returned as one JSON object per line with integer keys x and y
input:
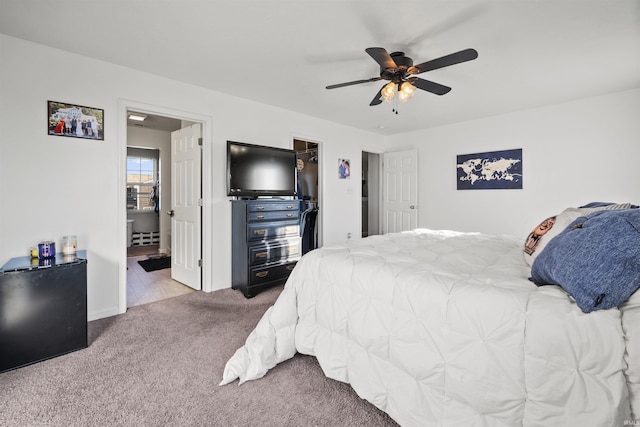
{"x": 382, "y": 57}
{"x": 355, "y": 82}
{"x": 444, "y": 61}
{"x": 429, "y": 86}
{"x": 377, "y": 99}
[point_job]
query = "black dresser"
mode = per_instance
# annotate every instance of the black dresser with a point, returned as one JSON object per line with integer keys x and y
{"x": 43, "y": 308}
{"x": 265, "y": 243}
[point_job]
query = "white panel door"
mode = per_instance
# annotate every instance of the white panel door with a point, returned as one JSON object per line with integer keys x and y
{"x": 186, "y": 206}
{"x": 400, "y": 191}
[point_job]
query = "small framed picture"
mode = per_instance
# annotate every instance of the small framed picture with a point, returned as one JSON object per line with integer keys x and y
{"x": 344, "y": 168}
{"x": 75, "y": 121}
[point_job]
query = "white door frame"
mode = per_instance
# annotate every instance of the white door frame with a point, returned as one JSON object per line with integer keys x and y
{"x": 207, "y": 190}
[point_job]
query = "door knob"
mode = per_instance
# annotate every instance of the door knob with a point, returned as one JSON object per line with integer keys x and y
{"x": 410, "y": 207}
{"x": 170, "y": 213}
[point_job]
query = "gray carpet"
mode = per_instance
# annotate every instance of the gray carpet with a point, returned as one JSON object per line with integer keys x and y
{"x": 159, "y": 365}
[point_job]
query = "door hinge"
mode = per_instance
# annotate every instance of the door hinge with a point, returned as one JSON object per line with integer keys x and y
{"x": 200, "y": 142}
{"x": 199, "y": 263}
{"x": 200, "y": 203}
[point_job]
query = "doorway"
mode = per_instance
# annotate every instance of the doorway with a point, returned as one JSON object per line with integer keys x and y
{"x": 185, "y": 119}
{"x": 308, "y": 190}
{"x": 370, "y": 194}
{"x": 149, "y": 273}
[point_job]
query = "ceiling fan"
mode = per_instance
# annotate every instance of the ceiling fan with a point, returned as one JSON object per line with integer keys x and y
{"x": 400, "y": 71}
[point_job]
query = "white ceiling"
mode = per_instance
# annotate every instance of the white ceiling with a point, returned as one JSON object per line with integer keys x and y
{"x": 284, "y": 53}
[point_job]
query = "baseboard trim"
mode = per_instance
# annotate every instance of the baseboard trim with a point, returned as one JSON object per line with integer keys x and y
{"x": 95, "y": 315}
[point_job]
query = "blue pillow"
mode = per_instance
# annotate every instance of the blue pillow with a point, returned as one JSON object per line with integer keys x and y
{"x": 596, "y": 259}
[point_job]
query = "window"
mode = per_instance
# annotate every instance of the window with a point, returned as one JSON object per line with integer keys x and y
{"x": 142, "y": 172}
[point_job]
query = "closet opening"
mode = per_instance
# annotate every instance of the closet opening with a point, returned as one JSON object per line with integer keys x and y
{"x": 307, "y": 188}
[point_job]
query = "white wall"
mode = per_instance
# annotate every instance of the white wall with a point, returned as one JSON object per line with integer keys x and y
{"x": 573, "y": 153}
{"x": 51, "y": 186}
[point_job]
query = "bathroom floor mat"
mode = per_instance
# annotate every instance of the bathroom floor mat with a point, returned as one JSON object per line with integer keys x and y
{"x": 153, "y": 264}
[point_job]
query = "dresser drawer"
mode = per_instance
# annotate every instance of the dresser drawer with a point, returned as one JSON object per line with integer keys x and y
{"x": 266, "y": 243}
{"x": 288, "y": 205}
{"x": 278, "y": 250}
{"x": 272, "y": 230}
{"x": 271, "y": 215}
{"x": 274, "y": 273}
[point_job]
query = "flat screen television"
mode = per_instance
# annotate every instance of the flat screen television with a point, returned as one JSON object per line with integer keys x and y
{"x": 256, "y": 170}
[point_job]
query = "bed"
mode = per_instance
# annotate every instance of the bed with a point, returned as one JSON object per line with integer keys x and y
{"x": 444, "y": 328}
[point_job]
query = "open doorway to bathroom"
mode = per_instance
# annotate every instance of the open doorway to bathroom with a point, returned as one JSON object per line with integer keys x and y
{"x": 148, "y": 192}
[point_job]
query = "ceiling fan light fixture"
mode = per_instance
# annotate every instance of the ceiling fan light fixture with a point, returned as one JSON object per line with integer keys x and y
{"x": 406, "y": 91}
{"x": 399, "y": 70}
{"x": 388, "y": 91}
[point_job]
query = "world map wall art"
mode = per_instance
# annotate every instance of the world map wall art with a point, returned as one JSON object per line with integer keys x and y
{"x": 495, "y": 170}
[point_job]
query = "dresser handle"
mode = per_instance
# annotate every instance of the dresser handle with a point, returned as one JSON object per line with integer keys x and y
{"x": 260, "y": 208}
{"x": 263, "y": 231}
{"x": 289, "y": 207}
{"x": 262, "y": 254}
{"x": 260, "y": 216}
{"x": 262, "y": 274}
{"x": 289, "y": 215}
{"x": 292, "y": 249}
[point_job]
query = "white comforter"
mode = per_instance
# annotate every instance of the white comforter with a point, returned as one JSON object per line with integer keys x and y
{"x": 439, "y": 328}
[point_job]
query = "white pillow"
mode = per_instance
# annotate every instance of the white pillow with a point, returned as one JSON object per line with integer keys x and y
{"x": 554, "y": 225}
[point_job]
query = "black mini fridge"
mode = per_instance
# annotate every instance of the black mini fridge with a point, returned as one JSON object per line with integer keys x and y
{"x": 43, "y": 308}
